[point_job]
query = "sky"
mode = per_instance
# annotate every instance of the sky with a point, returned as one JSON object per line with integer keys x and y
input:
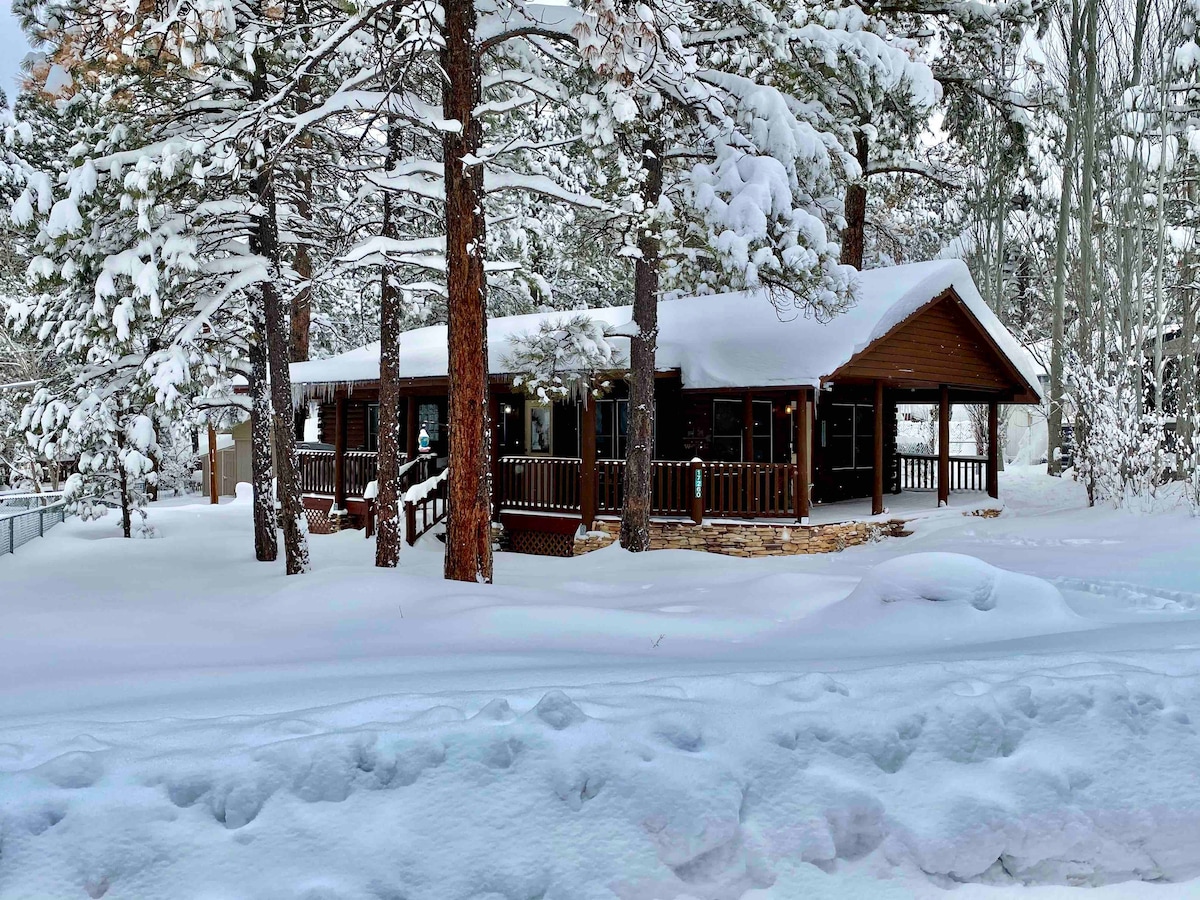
{"x": 12, "y": 50}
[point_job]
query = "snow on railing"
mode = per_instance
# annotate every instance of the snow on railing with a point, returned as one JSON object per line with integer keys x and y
{"x": 424, "y": 498}
{"x": 22, "y": 527}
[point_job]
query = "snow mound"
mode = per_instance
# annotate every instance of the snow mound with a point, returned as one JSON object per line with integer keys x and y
{"x": 932, "y": 598}
{"x": 938, "y": 577}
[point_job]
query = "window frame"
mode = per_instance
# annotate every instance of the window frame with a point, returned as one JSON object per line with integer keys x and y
{"x": 827, "y": 437}
{"x": 768, "y": 435}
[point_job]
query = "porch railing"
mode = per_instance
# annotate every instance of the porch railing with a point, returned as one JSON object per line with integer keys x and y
{"x": 745, "y": 490}
{"x": 425, "y": 501}
{"x": 670, "y": 484}
{"x": 318, "y": 467}
{"x": 316, "y": 471}
{"x": 730, "y": 490}
{"x": 547, "y": 483}
{"x": 361, "y": 469}
{"x": 919, "y": 472}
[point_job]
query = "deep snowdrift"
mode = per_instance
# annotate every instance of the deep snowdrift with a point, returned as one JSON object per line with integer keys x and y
{"x": 700, "y": 787}
{"x": 179, "y": 721}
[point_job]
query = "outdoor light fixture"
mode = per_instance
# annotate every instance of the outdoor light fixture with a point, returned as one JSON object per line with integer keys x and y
{"x": 507, "y": 409}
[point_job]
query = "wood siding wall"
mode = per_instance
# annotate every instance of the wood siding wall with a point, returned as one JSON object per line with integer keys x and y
{"x": 938, "y": 346}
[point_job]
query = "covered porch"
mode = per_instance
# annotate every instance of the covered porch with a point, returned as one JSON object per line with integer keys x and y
{"x": 841, "y": 453}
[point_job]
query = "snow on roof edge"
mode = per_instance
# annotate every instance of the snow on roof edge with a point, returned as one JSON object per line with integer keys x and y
{"x": 715, "y": 341}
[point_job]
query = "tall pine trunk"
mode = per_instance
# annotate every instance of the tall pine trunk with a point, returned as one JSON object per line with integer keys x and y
{"x": 123, "y": 486}
{"x": 387, "y": 510}
{"x": 469, "y": 514}
{"x": 854, "y": 236}
{"x": 643, "y": 346}
{"x": 264, "y": 241}
{"x": 1087, "y": 193}
{"x": 1062, "y": 246}
{"x": 301, "y": 166}
{"x": 266, "y": 538}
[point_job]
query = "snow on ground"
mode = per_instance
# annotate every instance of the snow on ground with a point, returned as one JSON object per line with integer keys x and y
{"x": 986, "y": 708}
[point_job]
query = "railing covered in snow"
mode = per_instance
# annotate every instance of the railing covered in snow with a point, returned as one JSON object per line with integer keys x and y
{"x": 24, "y": 517}
{"x": 426, "y": 501}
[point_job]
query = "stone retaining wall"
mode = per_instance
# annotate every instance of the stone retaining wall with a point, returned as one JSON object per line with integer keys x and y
{"x": 744, "y": 539}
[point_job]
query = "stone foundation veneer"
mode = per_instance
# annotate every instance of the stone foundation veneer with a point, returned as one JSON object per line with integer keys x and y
{"x": 747, "y": 539}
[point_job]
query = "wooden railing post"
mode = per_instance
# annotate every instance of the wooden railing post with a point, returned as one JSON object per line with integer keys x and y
{"x": 339, "y": 454}
{"x": 587, "y": 467}
{"x": 877, "y": 474}
{"x": 943, "y": 471}
{"x": 803, "y": 488}
{"x": 494, "y": 449}
{"x": 697, "y": 491}
{"x": 993, "y": 451}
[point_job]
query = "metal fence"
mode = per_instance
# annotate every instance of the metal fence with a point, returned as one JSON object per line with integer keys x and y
{"x": 20, "y": 526}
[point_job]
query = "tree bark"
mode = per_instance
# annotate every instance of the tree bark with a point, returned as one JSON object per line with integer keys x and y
{"x": 264, "y": 241}
{"x": 301, "y": 306}
{"x": 387, "y": 534}
{"x": 855, "y": 234}
{"x": 123, "y": 485}
{"x": 468, "y": 521}
{"x": 643, "y": 347}
{"x": 1057, "y": 347}
{"x": 266, "y": 538}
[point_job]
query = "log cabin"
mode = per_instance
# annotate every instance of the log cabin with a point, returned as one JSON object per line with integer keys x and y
{"x": 760, "y": 416}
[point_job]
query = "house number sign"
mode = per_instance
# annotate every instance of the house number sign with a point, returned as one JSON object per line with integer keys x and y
{"x": 697, "y": 483}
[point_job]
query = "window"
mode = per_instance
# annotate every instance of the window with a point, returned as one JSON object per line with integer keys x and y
{"x": 373, "y": 427}
{"x": 427, "y": 418}
{"x": 612, "y": 428}
{"x": 849, "y": 430}
{"x": 726, "y": 444}
{"x": 538, "y": 428}
{"x": 763, "y": 430}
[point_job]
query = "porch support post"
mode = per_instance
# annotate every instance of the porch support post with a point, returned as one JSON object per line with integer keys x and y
{"x": 339, "y": 454}
{"x": 943, "y": 462}
{"x": 587, "y": 468}
{"x": 747, "y": 427}
{"x": 877, "y": 473}
{"x": 410, "y": 428}
{"x": 212, "y": 465}
{"x": 494, "y": 448}
{"x": 993, "y": 451}
{"x": 803, "y": 488}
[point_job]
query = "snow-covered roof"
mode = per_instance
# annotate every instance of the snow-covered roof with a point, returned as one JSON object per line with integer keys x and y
{"x": 717, "y": 341}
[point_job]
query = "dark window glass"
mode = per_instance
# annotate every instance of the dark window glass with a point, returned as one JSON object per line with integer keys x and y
{"x": 726, "y": 449}
{"x": 427, "y": 418}
{"x": 373, "y": 426}
{"x": 762, "y": 449}
{"x": 864, "y": 437}
{"x": 622, "y": 428}
{"x": 604, "y": 429}
{"x": 727, "y": 418}
{"x": 841, "y": 420}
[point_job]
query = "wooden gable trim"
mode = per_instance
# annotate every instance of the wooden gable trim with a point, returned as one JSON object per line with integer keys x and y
{"x": 1022, "y": 391}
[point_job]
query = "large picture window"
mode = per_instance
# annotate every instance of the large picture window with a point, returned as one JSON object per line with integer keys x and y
{"x": 727, "y": 445}
{"x": 850, "y": 441}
